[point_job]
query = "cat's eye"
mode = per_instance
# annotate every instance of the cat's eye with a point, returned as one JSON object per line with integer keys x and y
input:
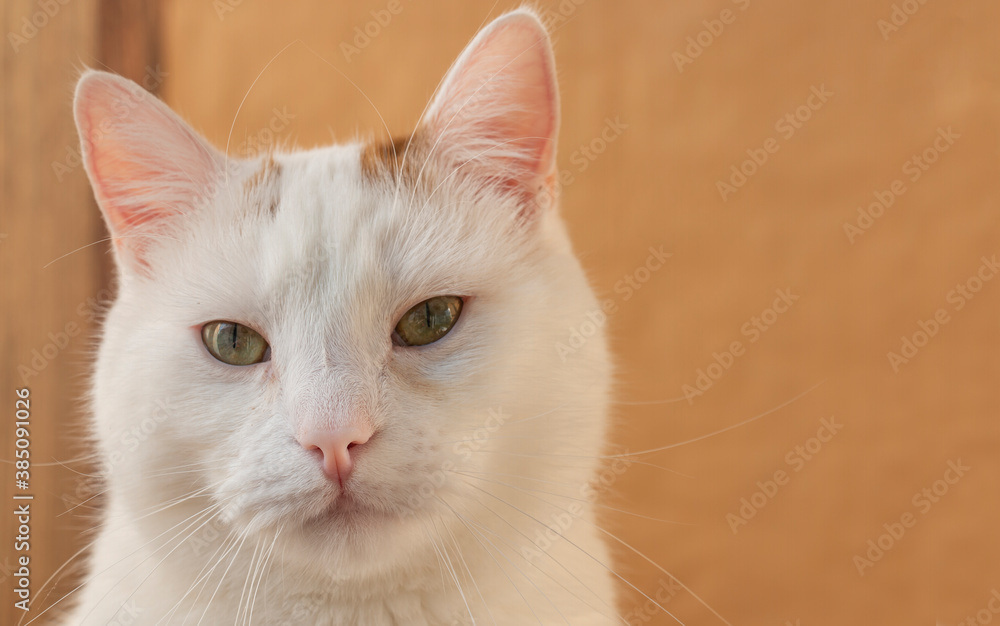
{"x": 428, "y": 321}
{"x": 234, "y": 343}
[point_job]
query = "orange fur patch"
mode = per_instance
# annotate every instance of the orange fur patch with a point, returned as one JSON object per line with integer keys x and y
{"x": 384, "y": 159}
{"x": 262, "y": 185}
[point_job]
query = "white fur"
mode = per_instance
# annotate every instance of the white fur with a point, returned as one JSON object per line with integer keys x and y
{"x": 214, "y": 464}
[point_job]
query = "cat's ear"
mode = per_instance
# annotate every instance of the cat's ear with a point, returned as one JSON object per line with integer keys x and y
{"x": 496, "y": 115}
{"x": 147, "y": 166}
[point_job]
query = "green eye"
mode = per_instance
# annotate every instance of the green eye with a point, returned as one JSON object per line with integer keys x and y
{"x": 428, "y": 321}
{"x": 234, "y": 343}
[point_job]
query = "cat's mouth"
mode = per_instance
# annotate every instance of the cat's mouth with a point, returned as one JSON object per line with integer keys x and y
{"x": 347, "y": 515}
{"x": 348, "y": 510}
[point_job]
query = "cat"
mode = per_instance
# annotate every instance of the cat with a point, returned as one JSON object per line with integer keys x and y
{"x": 328, "y": 390}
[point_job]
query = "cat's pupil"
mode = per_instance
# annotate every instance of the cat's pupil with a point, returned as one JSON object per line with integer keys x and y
{"x": 234, "y": 343}
{"x": 428, "y": 321}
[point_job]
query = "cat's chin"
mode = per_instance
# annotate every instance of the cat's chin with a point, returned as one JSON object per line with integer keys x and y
{"x": 350, "y": 537}
{"x": 349, "y": 514}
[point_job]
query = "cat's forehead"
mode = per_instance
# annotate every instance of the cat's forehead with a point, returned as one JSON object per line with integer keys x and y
{"x": 327, "y": 208}
{"x": 324, "y": 217}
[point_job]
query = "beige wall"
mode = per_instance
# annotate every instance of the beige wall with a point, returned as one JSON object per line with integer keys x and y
{"x": 656, "y": 185}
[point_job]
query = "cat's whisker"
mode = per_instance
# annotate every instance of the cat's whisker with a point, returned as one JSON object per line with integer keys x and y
{"x": 660, "y": 567}
{"x": 104, "y": 240}
{"x": 360, "y": 91}
{"x": 546, "y": 554}
{"x": 524, "y": 477}
{"x": 222, "y": 579}
{"x": 529, "y": 562}
{"x": 465, "y": 565}
{"x": 454, "y": 574}
{"x": 201, "y": 575}
{"x": 246, "y": 95}
{"x": 717, "y": 432}
{"x": 580, "y": 456}
{"x": 180, "y": 543}
{"x": 82, "y": 503}
{"x": 583, "y": 500}
{"x": 649, "y": 402}
{"x": 208, "y": 514}
{"x": 492, "y": 438}
{"x": 263, "y": 572}
{"x": 80, "y": 459}
{"x": 195, "y": 470}
{"x": 500, "y": 567}
{"x": 56, "y": 573}
{"x": 251, "y": 569}
{"x": 95, "y": 575}
{"x": 638, "y": 553}
{"x": 67, "y": 467}
{"x": 230, "y": 543}
{"x": 191, "y": 495}
{"x": 431, "y": 541}
{"x": 534, "y": 417}
{"x": 575, "y": 545}
{"x": 169, "y": 503}
{"x": 196, "y": 464}
{"x": 449, "y": 568}
{"x": 420, "y": 121}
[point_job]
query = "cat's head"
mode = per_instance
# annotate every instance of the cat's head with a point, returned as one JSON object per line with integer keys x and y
{"x": 342, "y": 343}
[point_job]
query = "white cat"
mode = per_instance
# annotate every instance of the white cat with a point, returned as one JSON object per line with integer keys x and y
{"x": 329, "y": 390}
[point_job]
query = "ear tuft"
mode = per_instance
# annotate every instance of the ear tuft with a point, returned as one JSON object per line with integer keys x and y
{"x": 496, "y": 114}
{"x": 147, "y": 167}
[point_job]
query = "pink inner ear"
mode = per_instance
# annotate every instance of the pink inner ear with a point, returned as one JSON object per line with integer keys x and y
{"x": 498, "y": 107}
{"x": 145, "y": 164}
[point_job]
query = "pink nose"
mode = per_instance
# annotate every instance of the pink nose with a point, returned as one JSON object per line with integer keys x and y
{"x": 335, "y": 446}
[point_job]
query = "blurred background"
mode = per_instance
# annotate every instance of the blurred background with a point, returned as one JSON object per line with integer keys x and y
{"x": 819, "y": 351}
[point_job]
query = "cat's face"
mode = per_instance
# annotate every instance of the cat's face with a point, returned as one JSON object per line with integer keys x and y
{"x": 341, "y": 436}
